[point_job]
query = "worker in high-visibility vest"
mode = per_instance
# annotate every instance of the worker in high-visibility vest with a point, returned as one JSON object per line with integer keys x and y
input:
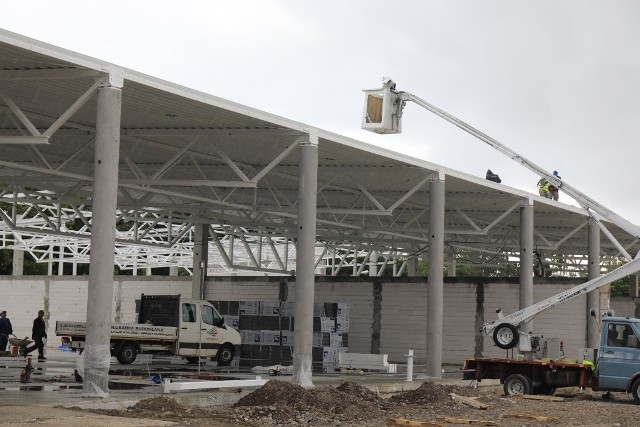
{"x": 553, "y": 190}
{"x": 543, "y": 188}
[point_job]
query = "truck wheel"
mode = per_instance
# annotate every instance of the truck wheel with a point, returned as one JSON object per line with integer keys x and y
{"x": 546, "y": 390}
{"x": 517, "y": 384}
{"x": 127, "y": 353}
{"x": 506, "y": 336}
{"x": 225, "y": 355}
{"x": 635, "y": 391}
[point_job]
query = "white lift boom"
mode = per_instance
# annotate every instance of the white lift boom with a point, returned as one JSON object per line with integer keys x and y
{"x": 383, "y": 114}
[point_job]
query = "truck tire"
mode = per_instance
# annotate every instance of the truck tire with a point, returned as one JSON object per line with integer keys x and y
{"x": 225, "y": 355}
{"x": 127, "y": 353}
{"x": 545, "y": 390}
{"x": 635, "y": 391}
{"x": 506, "y": 336}
{"x": 517, "y": 384}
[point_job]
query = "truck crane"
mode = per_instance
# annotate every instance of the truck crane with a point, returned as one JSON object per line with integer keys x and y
{"x": 383, "y": 114}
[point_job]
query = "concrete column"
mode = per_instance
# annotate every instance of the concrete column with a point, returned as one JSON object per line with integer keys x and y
{"x": 18, "y": 262}
{"x": 373, "y": 264}
{"x": 593, "y": 272}
{"x": 451, "y": 268}
{"x": 97, "y": 354}
{"x": 173, "y": 271}
{"x": 412, "y": 267}
{"x": 305, "y": 261}
{"x": 200, "y": 259}
{"x": 435, "y": 280}
{"x": 526, "y": 260}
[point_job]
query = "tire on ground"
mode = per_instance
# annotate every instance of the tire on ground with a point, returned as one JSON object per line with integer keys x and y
{"x": 127, "y": 353}
{"x": 225, "y": 355}
{"x": 517, "y": 384}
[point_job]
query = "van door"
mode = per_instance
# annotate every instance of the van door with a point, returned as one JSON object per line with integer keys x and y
{"x": 212, "y": 331}
{"x": 619, "y": 357}
{"x": 189, "y": 337}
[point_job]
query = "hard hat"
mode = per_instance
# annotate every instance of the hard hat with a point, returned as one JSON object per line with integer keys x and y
{"x": 555, "y": 173}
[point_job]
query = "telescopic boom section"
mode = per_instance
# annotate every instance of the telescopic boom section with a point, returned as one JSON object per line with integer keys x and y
{"x": 585, "y": 201}
{"x": 505, "y": 329}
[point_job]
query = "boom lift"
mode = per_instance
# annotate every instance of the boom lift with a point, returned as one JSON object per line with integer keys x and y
{"x": 383, "y": 114}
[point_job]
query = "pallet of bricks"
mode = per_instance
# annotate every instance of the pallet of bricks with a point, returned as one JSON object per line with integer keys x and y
{"x": 267, "y": 330}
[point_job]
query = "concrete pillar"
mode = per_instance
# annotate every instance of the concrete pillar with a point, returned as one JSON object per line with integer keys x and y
{"x": 18, "y": 262}
{"x": 435, "y": 281}
{"x": 200, "y": 259}
{"x": 451, "y": 267}
{"x": 373, "y": 264}
{"x": 412, "y": 267}
{"x": 305, "y": 261}
{"x": 593, "y": 272}
{"x": 173, "y": 271}
{"x": 526, "y": 260}
{"x": 97, "y": 356}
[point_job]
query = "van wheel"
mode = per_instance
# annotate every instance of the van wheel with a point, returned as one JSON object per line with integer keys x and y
{"x": 225, "y": 355}
{"x": 127, "y": 353}
{"x": 506, "y": 336}
{"x": 517, "y": 384}
{"x": 635, "y": 391}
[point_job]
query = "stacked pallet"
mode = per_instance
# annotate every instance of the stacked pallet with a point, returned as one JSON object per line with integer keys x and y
{"x": 267, "y": 331}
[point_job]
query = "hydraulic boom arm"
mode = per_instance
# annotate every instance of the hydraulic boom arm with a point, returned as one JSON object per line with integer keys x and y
{"x": 505, "y": 329}
{"x": 584, "y": 200}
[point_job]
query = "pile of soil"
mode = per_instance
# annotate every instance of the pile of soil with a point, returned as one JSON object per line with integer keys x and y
{"x": 280, "y": 403}
{"x": 283, "y": 403}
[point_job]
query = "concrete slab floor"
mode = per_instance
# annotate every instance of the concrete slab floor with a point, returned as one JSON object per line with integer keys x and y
{"x": 53, "y": 382}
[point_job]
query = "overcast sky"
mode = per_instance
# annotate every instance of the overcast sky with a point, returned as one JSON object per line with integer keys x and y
{"x": 556, "y": 81}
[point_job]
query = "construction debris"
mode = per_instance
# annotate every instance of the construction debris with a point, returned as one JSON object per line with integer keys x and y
{"x": 471, "y": 401}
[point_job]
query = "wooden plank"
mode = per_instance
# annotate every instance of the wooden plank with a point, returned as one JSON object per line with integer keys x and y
{"x": 532, "y": 417}
{"x": 453, "y": 420}
{"x": 471, "y": 401}
{"x": 412, "y": 423}
{"x": 539, "y": 397}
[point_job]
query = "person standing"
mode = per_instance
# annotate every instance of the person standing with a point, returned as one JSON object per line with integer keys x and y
{"x": 38, "y": 332}
{"x": 5, "y": 330}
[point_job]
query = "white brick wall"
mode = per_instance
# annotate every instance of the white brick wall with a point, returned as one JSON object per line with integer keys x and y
{"x": 403, "y": 310}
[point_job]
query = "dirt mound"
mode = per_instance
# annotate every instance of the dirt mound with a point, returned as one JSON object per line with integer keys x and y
{"x": 430, "y": 392}
{"x": 158, "y": 404}
{"x": 278, "y": 401}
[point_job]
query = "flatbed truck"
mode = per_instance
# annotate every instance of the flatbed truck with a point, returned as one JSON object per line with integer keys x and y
{"x": 168, "y": 325}
{"x": 615, "y": 368}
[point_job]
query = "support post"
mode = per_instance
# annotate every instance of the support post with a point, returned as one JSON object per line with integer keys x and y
{"x": 18, "y": 262}
{"x": 593, "y": 272}
{"x": 200, "y": 259}
{"x": 305, "y": 261}
{"x": 97, "y": 355}
{"x": 435, "y": 280}
{"x": 526, "y": 260}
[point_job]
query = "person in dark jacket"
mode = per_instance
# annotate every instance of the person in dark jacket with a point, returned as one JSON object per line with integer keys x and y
{"x": 5, "y": 330}
{"x": 38, "y": 332}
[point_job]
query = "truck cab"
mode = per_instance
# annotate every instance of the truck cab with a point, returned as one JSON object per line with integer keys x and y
{"x": 202, "y": 331}
{"x": 619, "y": 356}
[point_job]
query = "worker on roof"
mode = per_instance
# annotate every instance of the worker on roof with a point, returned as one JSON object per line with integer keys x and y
{"x": 553, "y": 190}
{"x": 543, "y": 188}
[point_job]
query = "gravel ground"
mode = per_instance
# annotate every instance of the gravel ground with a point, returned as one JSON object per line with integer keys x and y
{"x": 280, "y": 403}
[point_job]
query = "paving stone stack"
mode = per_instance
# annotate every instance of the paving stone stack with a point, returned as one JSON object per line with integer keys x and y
{"x": 266, "y": 329}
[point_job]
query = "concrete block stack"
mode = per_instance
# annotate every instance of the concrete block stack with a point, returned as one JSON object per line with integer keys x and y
{"x": 267, "y": 331}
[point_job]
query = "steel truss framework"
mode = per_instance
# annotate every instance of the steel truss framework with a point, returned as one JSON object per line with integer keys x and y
{"x": 189, "y": 158}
